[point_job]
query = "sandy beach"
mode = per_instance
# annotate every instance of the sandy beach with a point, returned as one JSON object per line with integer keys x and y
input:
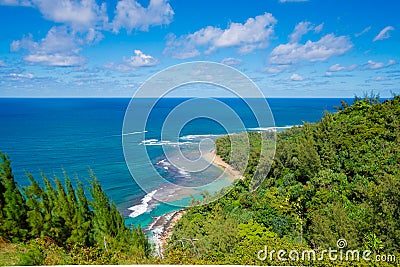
{"x": 218, "y": 161}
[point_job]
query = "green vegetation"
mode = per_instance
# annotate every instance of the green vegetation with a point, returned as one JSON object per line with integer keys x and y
{"x": 336, "y": 179}
{"x": 59, "y": 225}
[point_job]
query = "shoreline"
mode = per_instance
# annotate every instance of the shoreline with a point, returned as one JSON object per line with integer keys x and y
{"x": 216, "y": 160}
{"x": 169, "y": 227}
{"x": 162, "y": 226}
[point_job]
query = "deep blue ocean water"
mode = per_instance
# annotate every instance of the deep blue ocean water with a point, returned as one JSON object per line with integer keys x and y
{"x": 52, "y": 135}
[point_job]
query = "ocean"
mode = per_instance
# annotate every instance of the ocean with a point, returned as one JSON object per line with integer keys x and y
{"x": 78, "y": 134}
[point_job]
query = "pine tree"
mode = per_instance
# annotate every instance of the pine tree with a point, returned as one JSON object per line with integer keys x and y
{"x": 102, "y": 221}
{"x": 82, "y": 234}
{"x": 13, "y": 225}
{"x": 34, "y": 201}
{"x": 49, "y": 201}
{"x": 109, "y": 227}
{"x": 70, "y": 208}
{"x": 59, "y": 230}
{"x": 81, "y": 217}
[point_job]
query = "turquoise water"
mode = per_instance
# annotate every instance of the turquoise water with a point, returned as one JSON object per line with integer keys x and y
{"x": 52, "y": 135}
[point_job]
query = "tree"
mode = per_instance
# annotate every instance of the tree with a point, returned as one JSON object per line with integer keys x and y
{"x": 13, "y": 222}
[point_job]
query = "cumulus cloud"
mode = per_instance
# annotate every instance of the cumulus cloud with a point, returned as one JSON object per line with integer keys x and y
{"x": 232, "y": 61}
{"x": 255, "y": 33}
{"x": 82, "y": 22}
{"x": 129, "y": 15}
{"x": 384, "y": 33}
{"x": 372, "y": 65}
{"x": 82, "y": 15}
{"x": 321, "y": 50}
{"x": 78, "y": 14}
{"x": 296, "y": 77}
{"x": 139, "y": 59}
{"x": 338, "y": 67}
{"x": 59, "y": 48}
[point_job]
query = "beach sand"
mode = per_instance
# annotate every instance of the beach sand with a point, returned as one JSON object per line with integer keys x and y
{"x": 215, "y": 159}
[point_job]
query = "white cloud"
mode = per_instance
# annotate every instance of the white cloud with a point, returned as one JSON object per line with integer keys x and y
{"x": 15, "y": 3}
{"x": 277, "y": 69}
{"x": 2, "y": 63}
{"x": 364, "y": 31}
{"x": 381, "y": 78}
{"x": 321, "y": 50}
{"x": 296, "y": 77}
{"x": 255, "y": 33}
{"x": 80, "y": 15}
{"x": 60, "y": 48}
{"x": 22, "y": 75}
{"x": 390, "y": 62}
{"x": 372, "y": 65}
{"x": 92, "y": 37}
{"x": 384, "y": 34}
{"x": 303, "y": 28}
{"x": 318, "y": 28}
{"x": 138, "y": 60}
{"x": 232, "y": 61}
{"x": 141, "y": 60}
{"x": 129, "y": 15}
{"x": 56, "y": 60}
{"x": 338, "y": 67}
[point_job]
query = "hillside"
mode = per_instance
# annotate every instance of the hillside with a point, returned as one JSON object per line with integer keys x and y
{"x": 334, "y": 181}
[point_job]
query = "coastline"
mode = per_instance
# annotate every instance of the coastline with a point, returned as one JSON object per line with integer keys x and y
{"x": 216, "y": 160}
{"x": 162, "y": 226}
{"x": 169, "y": 227}
{"x": 161, "y": 229}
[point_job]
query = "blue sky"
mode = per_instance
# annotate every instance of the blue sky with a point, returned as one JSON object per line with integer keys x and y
{"x": 290, "y": 48}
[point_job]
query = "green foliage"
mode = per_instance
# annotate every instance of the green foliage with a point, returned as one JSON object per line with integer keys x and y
{"x": 336, "y": 179}
{"x": 13, "y": 212}
{"x": 60, "y": 220}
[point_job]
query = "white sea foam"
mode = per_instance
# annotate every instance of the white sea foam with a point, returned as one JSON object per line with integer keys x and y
{"x": 163, "y": 162}
{"x": 134, "y": 133}
{"x": 272, "y": 129}
{"x": 142, "y": 208}
{"x": 156, "y": 142}
{"x": 192, "y": 137}
{"x": 184, "y": 173}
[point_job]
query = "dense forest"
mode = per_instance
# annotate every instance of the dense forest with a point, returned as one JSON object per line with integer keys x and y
{"x": 335, "y": 180}
{"x": 57, "y": 224}
{"x": 338, "y": 179}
